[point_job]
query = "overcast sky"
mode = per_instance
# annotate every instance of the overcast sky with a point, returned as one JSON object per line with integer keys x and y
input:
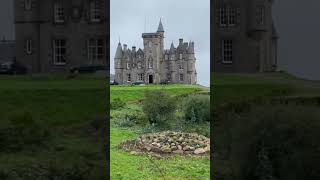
{"x": 187, "y": 19}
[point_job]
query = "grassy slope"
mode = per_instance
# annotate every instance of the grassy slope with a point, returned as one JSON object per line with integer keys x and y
{"x": 230, "y": 87}
{"x": 66, "y": 107}
{"x": 126, "y": 166}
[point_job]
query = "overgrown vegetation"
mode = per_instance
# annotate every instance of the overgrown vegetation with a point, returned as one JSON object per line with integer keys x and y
{"x": 46, "y": 119}
{"x": 271, "y": 134}
{"x": 152, "y": 109}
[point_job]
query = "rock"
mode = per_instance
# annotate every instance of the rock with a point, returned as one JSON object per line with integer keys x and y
{"x": 199, "y": 151}
{"x": 179, "y": 147}
{"x": 178, "y": 152}
{"x": 173, "y": 148}
{"x": 134, "y": 153}
{"x": 192, "y": 148}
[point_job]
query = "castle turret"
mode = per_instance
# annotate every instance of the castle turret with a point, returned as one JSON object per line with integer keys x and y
{"x": 118, "y": 64}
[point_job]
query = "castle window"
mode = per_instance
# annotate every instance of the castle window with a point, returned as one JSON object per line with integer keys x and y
{"x": 95, "y": 11}
{"x": 139, "y": 65}
{"x": 59, "y": 52}
{"x": 150, "y": 44}
{"x": 181, "y": 66}
{"x": 119, "y": 64}
{"x": 150, "y": 63}
{"x": 95, "y": 50}
{"x": 181, "y": 77}
{"x": 260, "y": 15}
{"x": 129, "y": 77}
{"x": 128, "y": 65}
{"x": 29, "y": 46}
{"x": 180, "y": 56}
{"x": 227, "y": 16}
{"x": 227, "y": 57}
{"x": 141, "y": 77}
{"x": 27, "y": 4}
{"x": 58, "y": 12}
{"x": 166, "y": 57}
{"x": 172, "y": 57}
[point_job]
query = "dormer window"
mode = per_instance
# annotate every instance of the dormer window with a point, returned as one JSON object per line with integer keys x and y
{"x": 27, "y": 4}
{"x": 95, "y": 10}
{"x": 58, "y": 12}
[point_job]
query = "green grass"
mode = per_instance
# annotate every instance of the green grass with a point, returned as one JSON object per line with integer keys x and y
{"x": 123, "y": 165}
{"x": 66, "y": 107}
{"x": 237, "y": 87}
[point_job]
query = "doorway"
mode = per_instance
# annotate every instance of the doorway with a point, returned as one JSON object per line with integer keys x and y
{"x": 150, "y": 79}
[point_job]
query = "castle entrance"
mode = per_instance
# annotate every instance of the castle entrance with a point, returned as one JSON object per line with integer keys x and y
{"x": 150, "y": 79}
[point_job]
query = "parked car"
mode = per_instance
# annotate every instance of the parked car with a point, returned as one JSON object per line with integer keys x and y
{"x": 141, "y": 83}
{"x": 165, "y": 82}
{"x": 12, "y": 68}
{"x": 88, "y": 69}
{"x": 112, "y": 82}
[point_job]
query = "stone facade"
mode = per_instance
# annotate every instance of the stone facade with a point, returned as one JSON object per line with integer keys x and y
{"x": 245, "y": 39}
{"x": 56, "y": 35}
{"x": 154, "y": 64}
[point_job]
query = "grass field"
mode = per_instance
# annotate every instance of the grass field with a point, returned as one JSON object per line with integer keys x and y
{"x": 232, "y": 135}
{"x": 66, "y": 107}
{"x": 123, "y": 165}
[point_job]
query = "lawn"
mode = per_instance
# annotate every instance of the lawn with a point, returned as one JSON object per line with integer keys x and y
{"x": 65, "y": 107}
{"x": 236, "y": 133}
{"x": 123, "y": 165}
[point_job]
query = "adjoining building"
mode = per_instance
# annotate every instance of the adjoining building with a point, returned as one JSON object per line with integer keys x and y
{"x": 154, "y": 64}
{"x": 56, "y": 35}
{"x": 245, "y": 38}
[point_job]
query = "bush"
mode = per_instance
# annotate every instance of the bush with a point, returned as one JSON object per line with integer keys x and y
{"x": 158, "y": 107}
{"x": 117, "y": 103}
{"x": 196, "y": 108}
{"x": 129, "y": 118}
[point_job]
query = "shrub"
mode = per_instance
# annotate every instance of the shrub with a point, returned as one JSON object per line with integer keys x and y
{"x": 129, "y": 118}
{"x": 117, "y": 103}
{"x": 196, "y": 108}
{"x": 158, "y": 107}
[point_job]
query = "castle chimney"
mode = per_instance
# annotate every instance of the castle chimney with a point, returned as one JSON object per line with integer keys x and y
{"x": 133, "y": 48}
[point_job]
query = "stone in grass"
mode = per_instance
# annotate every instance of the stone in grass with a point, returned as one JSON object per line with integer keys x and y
{"x": 199, "y": 151}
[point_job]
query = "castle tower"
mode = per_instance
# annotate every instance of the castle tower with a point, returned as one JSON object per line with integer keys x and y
{"x": 153, "y": 50}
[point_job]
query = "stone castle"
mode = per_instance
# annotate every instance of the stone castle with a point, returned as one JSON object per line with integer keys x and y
{"x": 245, "y": 38}
{"x": 154, "y": 64}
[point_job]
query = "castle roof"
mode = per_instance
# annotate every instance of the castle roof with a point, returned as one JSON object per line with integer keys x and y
{"x": 119, "y": 51}
{"x": 160, "y": 27}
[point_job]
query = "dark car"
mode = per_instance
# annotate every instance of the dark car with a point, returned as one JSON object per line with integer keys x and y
{"x": 12, "y": 68}
{"x": 165, "y": 82}
{"x": 141, "y": 83}
{"x": 88, "y": 69}
{"x": 113, "y": 83}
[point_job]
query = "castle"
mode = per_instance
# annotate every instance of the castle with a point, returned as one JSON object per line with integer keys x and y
{"x": 53, "y": 36}
{"x": 154, "y": 64}
{"x": 245, "y": 38}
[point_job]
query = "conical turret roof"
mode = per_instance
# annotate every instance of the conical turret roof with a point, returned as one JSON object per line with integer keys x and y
{"x": 160, "y": 27}
{"x": 118, "y": 52}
